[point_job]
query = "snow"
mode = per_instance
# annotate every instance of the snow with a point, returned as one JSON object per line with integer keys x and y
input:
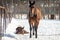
{"x": 47, "y": 29}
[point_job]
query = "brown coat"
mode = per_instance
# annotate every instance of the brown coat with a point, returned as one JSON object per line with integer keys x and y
{"x": 36, "y": 21}
{"x": 38, "y": 12}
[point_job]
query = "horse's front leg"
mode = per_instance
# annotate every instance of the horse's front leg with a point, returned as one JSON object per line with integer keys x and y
{"x": 35, "y": 31}
{"x": 30, "y": 30}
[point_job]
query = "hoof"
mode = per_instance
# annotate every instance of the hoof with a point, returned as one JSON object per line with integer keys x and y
{"x": 36, "y": 37}
{"x": 30, "y": 36}
{"x": 33, "y": 33}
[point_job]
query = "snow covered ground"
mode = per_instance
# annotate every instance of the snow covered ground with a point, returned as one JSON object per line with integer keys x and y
{"x": 47, "y": 30}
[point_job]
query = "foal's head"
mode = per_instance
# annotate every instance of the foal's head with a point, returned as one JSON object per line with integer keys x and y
{"x": 19, "y": 29}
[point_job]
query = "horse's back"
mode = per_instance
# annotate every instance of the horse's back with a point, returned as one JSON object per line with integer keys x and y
{"x": 38, "y": 12}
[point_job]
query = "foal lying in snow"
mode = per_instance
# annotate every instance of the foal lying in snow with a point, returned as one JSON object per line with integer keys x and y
{"x": 20, "y": 30}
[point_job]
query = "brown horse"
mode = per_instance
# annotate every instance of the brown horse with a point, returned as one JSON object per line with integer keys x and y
{"x": 34, "y": 17}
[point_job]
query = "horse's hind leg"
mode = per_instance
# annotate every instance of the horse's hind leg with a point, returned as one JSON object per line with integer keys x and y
{"x": 30, "y": 30}
{"x": 35, "y": 31}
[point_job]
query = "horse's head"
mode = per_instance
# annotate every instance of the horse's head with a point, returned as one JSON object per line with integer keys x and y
{"x": 32, "y": 9}
{"x": 32, "y": 13}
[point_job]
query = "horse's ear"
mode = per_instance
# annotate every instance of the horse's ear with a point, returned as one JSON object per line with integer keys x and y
{"x": 33, "y": 3}
{"x": 29, "y": 2}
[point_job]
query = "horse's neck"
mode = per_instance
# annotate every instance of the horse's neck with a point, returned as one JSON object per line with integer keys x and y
{"x": 31, "y": 10}
{"x": 34, "y": 10}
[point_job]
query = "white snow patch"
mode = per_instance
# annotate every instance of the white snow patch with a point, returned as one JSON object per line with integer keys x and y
{"x": 45, "y": 28}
